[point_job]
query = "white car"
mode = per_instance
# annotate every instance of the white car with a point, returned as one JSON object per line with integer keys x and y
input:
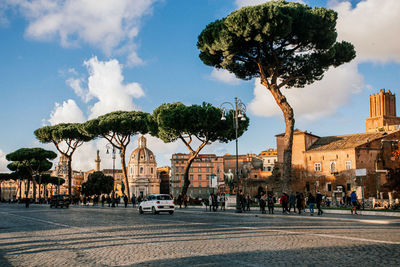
{"x": 157, "y": 203}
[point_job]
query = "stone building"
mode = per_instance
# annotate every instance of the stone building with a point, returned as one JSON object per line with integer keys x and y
{"x": 164, "y": 174}
{"x": 203, "y": 168}
{"x": 328, "y": 164}
{"x": 269, "y": 157}
{"x": 142, "y": 171}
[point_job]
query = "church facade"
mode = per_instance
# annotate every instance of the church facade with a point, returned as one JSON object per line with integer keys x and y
{"x": 142, "y": 171}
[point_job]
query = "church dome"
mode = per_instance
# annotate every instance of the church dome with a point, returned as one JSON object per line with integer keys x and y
{"x": 142, "y": 154}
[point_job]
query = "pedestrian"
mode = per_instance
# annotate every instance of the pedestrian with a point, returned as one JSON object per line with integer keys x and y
{"x": 318, "y": 200}
{"x": 292, "y": 202}
{"x": 27, "y": 202}
{"x": 222, "y": 200}
{"x": 284, "y": 202}
{"x": 248, "y": 202}
{"x": 263, "y": 200}
{"x": 118, "y": 200}
{"x": 180, "y": 200}
{"x": 210, "y": 200}
{"x": 271, "y": 202}
{"x": 214, "y": 202}
{"x": 133, "y": 199}
{"x": 299, "y": 201}
{"x": 185, "y": 201}
{"x": 242, "y": 201}
{"x": 125, "y": 200}
{"x": 311, "y": 203}
{"x": 354, "y": 201}
{"x": 108, "y": 200}
{"x": 103, "y": 199}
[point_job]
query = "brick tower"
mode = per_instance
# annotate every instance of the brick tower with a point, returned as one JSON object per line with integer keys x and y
{"x": 382, "y": 112}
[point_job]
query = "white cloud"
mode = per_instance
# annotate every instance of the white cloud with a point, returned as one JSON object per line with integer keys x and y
{"x": 106, "y": 85}
{"x": 66, "y": 113}
{"x": 317, "y": 100}
{"x": 3, "y": 162}
{"x": 108, "y": 24}
{"x": 372, "y": 26}
{"x": 224, "y": 76}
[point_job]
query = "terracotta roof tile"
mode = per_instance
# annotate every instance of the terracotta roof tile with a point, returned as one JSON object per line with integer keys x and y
{"x": 344, "y": 141}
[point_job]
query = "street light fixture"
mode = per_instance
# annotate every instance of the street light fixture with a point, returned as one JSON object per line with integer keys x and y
{"x": 108, "y": 147}
{"x": 238, "y": 109}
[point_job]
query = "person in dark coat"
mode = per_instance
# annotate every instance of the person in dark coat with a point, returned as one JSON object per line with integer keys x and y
{"x": 284, "y": 202}
{"x": 248, "y": 202}
{"x": 133, "y": 199}
{"x": 271, "y": 202}
{"x": 292, "y": 202}
{"x": 125, "y": 200}
{"x": 299, "y": 201}
{"x": 311, "y": 203}
{"x": 103, "y": 199}
{"x": 318, "y": 200}
{"x": 263, "y": 200}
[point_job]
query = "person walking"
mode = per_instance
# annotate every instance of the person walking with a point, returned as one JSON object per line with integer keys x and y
{"x": 271, "y": 202}
{"x": 263, "y": 201}
{"x": 125, "y": 200}
{"x": 248, "y": 202}
{"x": 133, "y": 199}
{"x": 292, "y": 202}
{"x": 318, "y": 200}
{"x": 222, "y": 200}
{"x": 242, "y": 201}
{"x": 108, "y": 200}
{"x": 299, "y": 201}
{"x": 103, "y": 199}
{"x": 311, "y": 203}
{"x": 354, "y": 201}
{"x": 284, "y": 202}
{"x": 210, "y": 200}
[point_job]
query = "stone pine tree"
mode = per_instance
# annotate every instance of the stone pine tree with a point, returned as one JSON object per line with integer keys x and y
{"x": 195, "y": 124}
{"x": 33, "y": 160}
{"x": 66, "y": 137}
{"x": 117, "y": 128}
{"x": 284, "y": 44}
{"x": 97, "y": 184}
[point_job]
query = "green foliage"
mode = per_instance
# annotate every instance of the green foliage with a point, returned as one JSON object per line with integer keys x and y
{"x": 124, "y": 123}
{"x": 48, "y": 179}
{"x": 62, "y": 132}
{"x": 9, "y": 176}
{"x": 291, "y": 41}
{"x": 97, "y": 184}
{"x": 30, "y": 160}
{"x": 176, "y": 120}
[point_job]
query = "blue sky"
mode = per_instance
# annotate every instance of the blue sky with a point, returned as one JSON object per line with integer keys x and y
{"x": 72, "y": 60}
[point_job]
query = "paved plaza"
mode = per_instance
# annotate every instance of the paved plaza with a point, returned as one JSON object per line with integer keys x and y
{"x": 96, "y": 236}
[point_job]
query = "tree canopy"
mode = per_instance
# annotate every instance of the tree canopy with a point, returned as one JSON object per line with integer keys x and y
{"x": 285, "y": 44}
{"x": 117, "y": 128}
{"x": 30, "y": 161}
{"x": 193, "y": 124}
{"x": 67, "y": 137}
{"x": 97, "y": 184}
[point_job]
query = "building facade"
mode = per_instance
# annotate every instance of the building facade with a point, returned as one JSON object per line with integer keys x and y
{"x": 142, "y": 171}
{"x": 201, "y": 172}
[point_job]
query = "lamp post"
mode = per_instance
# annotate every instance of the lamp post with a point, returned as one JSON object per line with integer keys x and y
{"x": 238, "y": 109}
{"x": 108, "y": 147}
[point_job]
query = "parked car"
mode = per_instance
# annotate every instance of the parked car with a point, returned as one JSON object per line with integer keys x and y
{"x": 59, "y": 201}
{"x": 157, "y": 203}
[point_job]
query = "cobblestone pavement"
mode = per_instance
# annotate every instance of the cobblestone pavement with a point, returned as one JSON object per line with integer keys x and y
{"x": 96, "y": 236}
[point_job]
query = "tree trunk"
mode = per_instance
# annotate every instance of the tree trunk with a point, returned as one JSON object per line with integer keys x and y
{"x": 20, "y": 189}
{"x": 27, "y": 189}
{"x": 70, "y": 177}
{"x": 186, "y": 182}
{"x": 193, "y": 155}
{"x": 287, "y": 138}
{"x": 123, "y": 164}
{"x": 34, "y": 189}
{"x": 1, "y": 196}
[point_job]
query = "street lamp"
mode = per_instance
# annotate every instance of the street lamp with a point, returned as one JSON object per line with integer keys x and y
{"x": 108, "y": 147}
{"x": 239, "y": 110}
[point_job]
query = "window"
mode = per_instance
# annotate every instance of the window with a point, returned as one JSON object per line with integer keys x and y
{"x": 317, "y": 167}
{"x": 151, "y": 170}
{"x": 141, "y": 169}
{"x": 333, "y": 166}
{"x": 269, "y": 168}
{"x": 307, "y": 186}
{"x": 183, "y": 169}
{"x": 199, "y": 177}
{"x": 329, "y": 187}
{"x": 208, "y": 177}
{"x": 207, "y": 170}
{"x": 228, "y": 163}
{"x": 268, "y": 161}
{"x": 199, "y": 169}
{"x": 177, "y": 177}
{"x": 191, "y": 177}
{"x": 177, "y": 170}
{"x": 183, "y": 177}
{"x": 348, "y": 187}
{"x": 348, "y": 165}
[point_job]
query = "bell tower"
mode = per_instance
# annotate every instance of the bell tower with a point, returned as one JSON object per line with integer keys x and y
{"x": 382, "y": 112}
